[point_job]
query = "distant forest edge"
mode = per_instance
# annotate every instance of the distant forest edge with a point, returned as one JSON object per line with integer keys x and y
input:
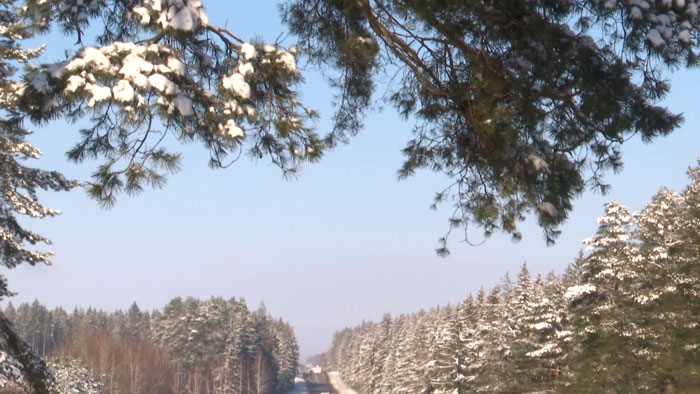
{"x": 623, "y": 318}
{"x": 190, "y": 346}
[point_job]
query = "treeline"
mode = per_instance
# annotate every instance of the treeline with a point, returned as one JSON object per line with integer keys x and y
{"x": 190, "y": 346}
{"x": 623, "y": 318}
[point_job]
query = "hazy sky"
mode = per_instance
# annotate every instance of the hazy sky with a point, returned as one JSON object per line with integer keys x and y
{"x": 344, "y": 243}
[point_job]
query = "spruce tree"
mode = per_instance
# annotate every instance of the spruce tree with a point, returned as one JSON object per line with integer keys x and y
{"x": 605, "y": 311}
{"x": 683, "y": 293}
{"x": 537, "y": 351}
{"x": 444, "y": 367}
{"x": 658, "y": 232}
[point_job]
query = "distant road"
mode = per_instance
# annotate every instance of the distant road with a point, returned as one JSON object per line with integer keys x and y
{"x": 318, "y": 383}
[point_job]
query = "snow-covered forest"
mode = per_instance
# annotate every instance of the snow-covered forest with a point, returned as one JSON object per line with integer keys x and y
{"x": 520, "y": 107}
{"x": 623, "y": 318}
{"x": 188, "y": 346}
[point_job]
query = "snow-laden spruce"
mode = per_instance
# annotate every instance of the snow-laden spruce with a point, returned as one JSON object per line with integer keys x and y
{"x": 623, "y": 318}
{"x": 210, "y": 346}
{"x": 11, "y": 374}
{"x": 72, "y": 377}
{"x": 511, "y": 339}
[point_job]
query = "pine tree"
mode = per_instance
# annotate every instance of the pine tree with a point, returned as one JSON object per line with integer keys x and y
{"x": 162, "y": 68}
{"x": 19, "y": 185}
{"x": 18, "y": 182}
{"x": 388, "y": 382}
{"x": 152, "y": 69}
{"x": 523, "y": 303}
{"x": 72, "y": 377}
{"x": 417, "y": 355}
{"x": 503, "y": 94}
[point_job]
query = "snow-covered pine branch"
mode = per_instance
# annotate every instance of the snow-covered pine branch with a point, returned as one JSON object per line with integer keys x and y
{"x": 172, "y": 76}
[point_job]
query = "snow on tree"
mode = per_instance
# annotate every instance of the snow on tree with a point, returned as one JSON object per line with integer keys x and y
{"x": 72, "y": 377}
{"x": 389, "y": 376}
{"x": 10, "y": 372}
{"x": 471, "y": 348}
{"x": 162, "y": 71}
{"x": 399, "y": 375}
{"x": 19, "y": 183}
{"x": 679, "y": 303}
{"x": 621, "y": 318}
{"x": 542, "y": 332}
{"x": 496, "y": 335}
{"x": 156, "y": 71}
{"x": 286, "y": 356}
{"x": 657, "y": 230}
{"x": 619, "y": 336}
{"x": 657, "y": 226}
{"x": 416, "y": 355}
{"x": 20, "y": 366}
{"x": 443, "y": 368}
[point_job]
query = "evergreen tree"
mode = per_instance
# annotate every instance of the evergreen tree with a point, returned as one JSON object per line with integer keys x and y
{"x": 395, "y": 371}
{"x": 72, "y": 377}
{"x": 444, "y": 367}
{"x": 495, "y": 332}
{"x": 681, "y": 298}
{"x": 162, "y": 68}
{"x": 657, "y": 231}
{"x": 538, "y": 350}
{"x": 606, "y": 314}
{"x": 621, "y": 318}
{"x": 504, "y": 95}
{"x": 417, "y": 355}
{"x": 19, "y": 183}
{"x": 287, "y": 356}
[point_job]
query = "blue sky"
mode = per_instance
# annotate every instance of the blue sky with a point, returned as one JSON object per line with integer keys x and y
{"x": 345, "y": 242}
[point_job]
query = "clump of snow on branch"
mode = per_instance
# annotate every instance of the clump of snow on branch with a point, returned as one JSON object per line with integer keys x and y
{"x": 539, "y": 163}
{"x": 10, "y": 372}
{"x": 668, "y": 26}
{"x": 248, "y": 50}
{"x": 127, "y": 73}
{"x": 180, "y": 15}
{"x": 72, "y": 377}
{"x": 236, "y": 83}
{"x": 548, "y": 208}
{"x": 129, "y": 68}
{"x": 577, "y": 291}
{"x": 549, "y": 348}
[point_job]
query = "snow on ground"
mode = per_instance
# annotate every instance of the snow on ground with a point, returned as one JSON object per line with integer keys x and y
{"x": 338, "y": 384}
